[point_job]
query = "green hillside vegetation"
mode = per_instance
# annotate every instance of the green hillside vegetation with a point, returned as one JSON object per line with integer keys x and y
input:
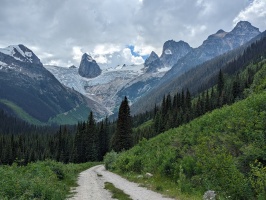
{"x": 224, "y": 151}
{"x": 40, "y": 180}
{"x": 20, "y": 112}
{"x": 71, "y": 117}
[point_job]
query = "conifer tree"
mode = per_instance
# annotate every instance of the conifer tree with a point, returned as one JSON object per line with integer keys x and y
{"x": 92, "y": 140}
{"x": 123, "y": 138}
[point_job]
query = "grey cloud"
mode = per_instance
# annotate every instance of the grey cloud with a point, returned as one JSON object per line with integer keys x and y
{"x": 54, "y": 27}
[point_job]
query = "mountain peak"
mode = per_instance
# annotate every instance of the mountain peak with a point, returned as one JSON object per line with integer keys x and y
{"x": 173, "y": 51}
{"x": 21, "y": 53}
{"x": 220, "y": 31}
{"x": 88, "y": 67}
{"x": 87, "y": 56}
{"x": 153, "y": 56}
{"x": 244, "y": 26}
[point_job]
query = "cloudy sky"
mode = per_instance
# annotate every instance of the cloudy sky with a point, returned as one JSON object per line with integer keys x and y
{"x": 117, "y": 31}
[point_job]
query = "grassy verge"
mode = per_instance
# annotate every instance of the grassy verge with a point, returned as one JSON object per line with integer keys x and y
{"x": 117, "y": 193}
{"x": 40, "y": 180}
{"x": 160, "y": 185}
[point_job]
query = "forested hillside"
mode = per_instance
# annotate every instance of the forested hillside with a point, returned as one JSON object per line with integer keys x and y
{"x": 224, "y": 150}
{"x": 203, "y": 76}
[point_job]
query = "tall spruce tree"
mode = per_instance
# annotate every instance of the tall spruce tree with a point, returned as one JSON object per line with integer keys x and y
{"x": 123, "y": 138}
{"x": 92, "y": 140}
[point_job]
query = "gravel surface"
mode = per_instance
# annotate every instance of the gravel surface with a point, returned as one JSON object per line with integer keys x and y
{"x": 91, "y": 186}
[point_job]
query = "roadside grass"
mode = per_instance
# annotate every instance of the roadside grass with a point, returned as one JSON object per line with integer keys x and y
{"x": 117, "y": 193}
{"x": 160, "y": 184}
{"x": 40, "y": 180}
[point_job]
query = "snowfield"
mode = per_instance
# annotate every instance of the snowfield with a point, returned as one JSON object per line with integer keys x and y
{"x": 104, "y": 89}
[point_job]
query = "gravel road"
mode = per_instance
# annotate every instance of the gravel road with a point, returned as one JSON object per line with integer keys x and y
{"x": 91, "y": 186}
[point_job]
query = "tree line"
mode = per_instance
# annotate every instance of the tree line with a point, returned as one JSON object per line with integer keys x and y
{"x": 87, "y": 141}
{"x": 182, "y": 107}
{"x": 90, "y": 140}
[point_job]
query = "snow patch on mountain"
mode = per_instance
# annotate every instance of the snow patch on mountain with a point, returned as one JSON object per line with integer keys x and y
{"x": 13, "y": 49}
{"x": 2, "y": 64}
{"x": 168, "y": 52}
{"x": 104, "y": 88}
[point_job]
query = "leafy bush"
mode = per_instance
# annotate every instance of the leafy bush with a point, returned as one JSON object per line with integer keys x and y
{"x": 40, "y": 180}
{"x": 109, "y": 160}
{"x": 258, "y": 179}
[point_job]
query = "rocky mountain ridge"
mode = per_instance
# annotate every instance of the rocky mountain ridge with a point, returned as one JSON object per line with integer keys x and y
{"x": 216, "y": 44}
{"x": 26, "y": 84}
{"x": 108, "y": 87}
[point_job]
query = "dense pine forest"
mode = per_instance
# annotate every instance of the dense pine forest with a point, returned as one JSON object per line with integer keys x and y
{"x": 87, "y": 141}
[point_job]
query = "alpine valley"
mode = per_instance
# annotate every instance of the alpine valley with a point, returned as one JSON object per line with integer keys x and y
{"x": 189, "y": 123}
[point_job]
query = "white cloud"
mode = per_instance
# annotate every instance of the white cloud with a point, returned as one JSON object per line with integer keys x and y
{"x": 76, "y": 53}
{"x": 137, "y": 60}
{"x": 61, "y": 31}
{"x": 141, "y": 48}
{"x": 130, "y": 59}
{"x": 101, "y": 59}
{"x": 103, "y": 49}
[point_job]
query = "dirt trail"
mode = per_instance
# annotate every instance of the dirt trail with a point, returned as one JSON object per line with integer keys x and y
{"x": 91, "y": 186}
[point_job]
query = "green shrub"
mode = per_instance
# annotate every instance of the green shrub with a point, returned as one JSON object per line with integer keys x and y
{"x": 110, "y": 159}
{"x": 258, "y": 179}
{"x": 40, "y": 180}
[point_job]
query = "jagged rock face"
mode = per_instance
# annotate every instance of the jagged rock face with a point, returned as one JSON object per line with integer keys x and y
{"x": 153, "y": 63}
{"x": 153, "y": 56}
{"x": 173, "y": 51}
{"x": 242, "y": 33}
{"x": 215, "y": 45}
{"x": 21, "y": 53}
{"x": 25, "y": 82}
{"x": 88, "y": 67}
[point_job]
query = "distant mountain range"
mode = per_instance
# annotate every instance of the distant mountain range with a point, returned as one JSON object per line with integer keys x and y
{"x": 215, "y": 45}
{"x": 31, "y": 92}
{"x": 28, "y": 85}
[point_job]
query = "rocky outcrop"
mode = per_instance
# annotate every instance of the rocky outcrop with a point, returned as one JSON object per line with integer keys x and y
{"x": 25, "y": 82}
{"x": 153, "y": 63}
{"x": 173, "y": 51}
{"x": 88, "y": 67}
